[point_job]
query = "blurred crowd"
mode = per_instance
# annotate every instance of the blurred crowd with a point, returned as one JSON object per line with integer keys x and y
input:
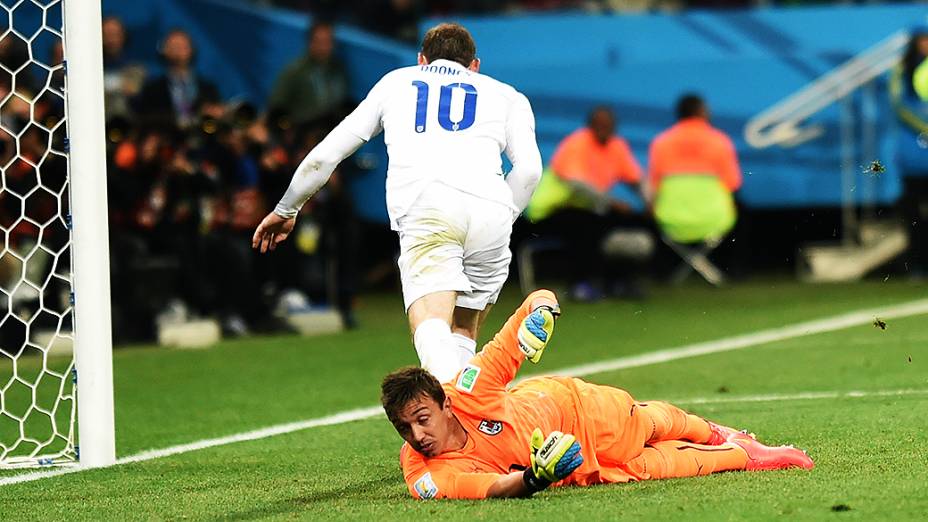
{"x": 400, "y": 19}
{"x": 191, "y": 175}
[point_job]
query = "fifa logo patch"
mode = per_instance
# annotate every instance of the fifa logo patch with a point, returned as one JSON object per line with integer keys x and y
{"x": 425, "y": 487}
{"x": 468, "y": 378}
{"x": 490, "y": 427}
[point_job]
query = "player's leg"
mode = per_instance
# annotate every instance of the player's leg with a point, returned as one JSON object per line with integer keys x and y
{"x": 430, "y": 317}
{"x": 465, "y": 326}
{"x": 465, "y": 322}
{"x": 464, "y": 329}
{"x": 431, "y": 269}
{"x": 625, "y": 427}
{"x": 677, "y": 458}
{"x": 430, "y": 323}
{"x": 482, "y": 317}
{"x": 671, "y": 423}
{"x": 436, "y": 305}
{"x": 486, "y": 265}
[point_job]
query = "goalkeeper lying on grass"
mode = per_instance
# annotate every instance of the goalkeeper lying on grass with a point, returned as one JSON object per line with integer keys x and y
{"x": 473, "y": 438}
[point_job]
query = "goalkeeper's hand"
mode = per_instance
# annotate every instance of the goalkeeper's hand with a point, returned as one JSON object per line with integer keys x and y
{"x": 535, "y": 332}
{"x": 553, "y": 459}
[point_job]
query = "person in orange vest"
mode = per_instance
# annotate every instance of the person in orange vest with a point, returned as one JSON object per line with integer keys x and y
{"x": 573, "y": 202}
{"x": 693, "y": 173}
{"x": 693, "y": 146}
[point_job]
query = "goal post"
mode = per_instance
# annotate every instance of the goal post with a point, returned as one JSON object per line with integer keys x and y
{"x": 93, "y": 344}
{"x": 56, "y": 373}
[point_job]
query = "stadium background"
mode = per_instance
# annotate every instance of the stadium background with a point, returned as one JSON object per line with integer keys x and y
{"x": 741, "y": 60}
{"x": 639, "y": 63}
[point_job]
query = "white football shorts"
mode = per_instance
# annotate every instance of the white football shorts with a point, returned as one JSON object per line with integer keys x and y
{"x": 452, "y": 240}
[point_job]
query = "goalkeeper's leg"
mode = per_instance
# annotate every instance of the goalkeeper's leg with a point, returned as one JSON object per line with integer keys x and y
{"x": 678, "y": 458}
{"x": 667, "y": 422}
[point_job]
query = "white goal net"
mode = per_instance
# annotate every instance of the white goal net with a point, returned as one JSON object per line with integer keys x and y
{"x": 37, "y": 377}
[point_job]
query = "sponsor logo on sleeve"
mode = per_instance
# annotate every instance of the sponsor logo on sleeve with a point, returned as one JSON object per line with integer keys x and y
{"x": 425, "y": 487}
{"x": 490, "y": 427}
{"x": 468, "y": 378}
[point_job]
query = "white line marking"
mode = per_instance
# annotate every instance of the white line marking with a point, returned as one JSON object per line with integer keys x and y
{"x": 280, "y": 429}
{"x": 368, "y": 413}
{"x": 828, "y": 324}
{"x": 802, "y": 396}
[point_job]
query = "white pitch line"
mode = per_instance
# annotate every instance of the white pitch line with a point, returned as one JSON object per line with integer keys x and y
{"x": 828, "y": 324}
{"x": 802, "y": 396}
{"x": 368, "y": 413}
{"x": 280, "y": 429}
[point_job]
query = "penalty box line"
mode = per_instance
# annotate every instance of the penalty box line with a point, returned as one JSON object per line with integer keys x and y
{"x": 829, "y": 324}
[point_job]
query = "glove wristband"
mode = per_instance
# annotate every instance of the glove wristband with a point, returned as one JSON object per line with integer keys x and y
{"x": 533, "y": 483}
{"x": 555, "y": 310}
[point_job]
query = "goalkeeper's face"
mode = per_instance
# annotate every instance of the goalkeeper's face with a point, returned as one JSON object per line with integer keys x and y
{"x": 426, "y": 425}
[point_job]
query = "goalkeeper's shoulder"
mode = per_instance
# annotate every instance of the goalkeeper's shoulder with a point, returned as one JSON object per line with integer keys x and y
{"x": 413, "y": 464}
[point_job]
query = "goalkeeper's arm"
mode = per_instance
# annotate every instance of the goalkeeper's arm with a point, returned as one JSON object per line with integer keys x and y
{"x": 553, "y": 458}
{"x": 511, "y": 485}
{"x": 524, "y": 336}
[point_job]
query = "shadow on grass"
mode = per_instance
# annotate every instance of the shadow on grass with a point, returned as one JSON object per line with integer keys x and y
{"x": 365, "y": 490}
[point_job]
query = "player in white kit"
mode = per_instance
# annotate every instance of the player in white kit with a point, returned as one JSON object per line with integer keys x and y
{"x": 445, "y": 126}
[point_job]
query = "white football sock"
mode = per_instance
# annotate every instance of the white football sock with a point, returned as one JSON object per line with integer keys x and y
{"x": 466, "y": 348}
{"x": 437, "y": 349}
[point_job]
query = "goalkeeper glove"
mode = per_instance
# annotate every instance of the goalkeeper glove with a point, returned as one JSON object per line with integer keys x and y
{"x": 553, "y": 459}
{"x": 535, "y": 332}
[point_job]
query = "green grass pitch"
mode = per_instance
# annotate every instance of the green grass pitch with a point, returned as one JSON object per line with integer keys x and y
{"x": 871, "y": 451}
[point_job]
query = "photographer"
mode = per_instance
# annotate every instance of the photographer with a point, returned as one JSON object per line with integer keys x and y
{"x": 180, "y": 92}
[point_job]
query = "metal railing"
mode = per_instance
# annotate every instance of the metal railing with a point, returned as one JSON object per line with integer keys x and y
{"x": 781, "y": 124}
{"x": 785, "y": 123}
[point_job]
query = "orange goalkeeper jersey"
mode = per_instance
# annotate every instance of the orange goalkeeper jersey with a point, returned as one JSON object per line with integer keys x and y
{"x": 499, "y": 423}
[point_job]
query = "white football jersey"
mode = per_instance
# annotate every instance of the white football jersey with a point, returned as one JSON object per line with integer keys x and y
{"x": 444, "y": 122}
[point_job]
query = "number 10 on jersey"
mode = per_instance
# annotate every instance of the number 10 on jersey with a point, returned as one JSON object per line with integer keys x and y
{"x": 444, "y": 106}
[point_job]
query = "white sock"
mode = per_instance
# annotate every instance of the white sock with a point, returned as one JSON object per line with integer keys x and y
{"x": 467, "y": 348}
{"x": 437, "y": 349}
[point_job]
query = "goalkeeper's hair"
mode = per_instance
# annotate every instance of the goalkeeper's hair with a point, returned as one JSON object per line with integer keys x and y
{"x": 407, "y": 384}
{"x": 449, "y": 41}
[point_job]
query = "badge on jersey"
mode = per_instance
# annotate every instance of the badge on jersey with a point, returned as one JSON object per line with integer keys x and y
{"x": 468, "y": 378}
{"x": 490, "y": 427}
{"x": 425, "y": 487}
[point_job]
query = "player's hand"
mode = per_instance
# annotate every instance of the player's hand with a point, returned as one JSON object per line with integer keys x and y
{"x": 272, "y": 230}
{"x": 555, "y": 457}
{"x": 535, "y": 332}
